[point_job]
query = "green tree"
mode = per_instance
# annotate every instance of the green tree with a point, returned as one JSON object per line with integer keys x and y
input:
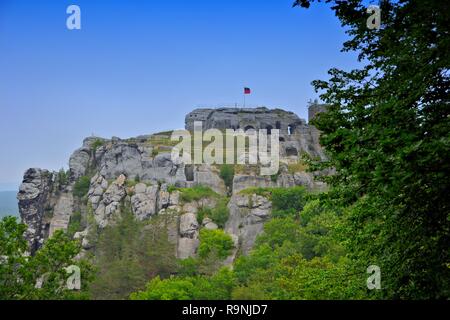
{"x": 81, "y": 187}
{"x": 387, "y": 134}
{"x": 216, "y": 287}
{"x": 63, "y": 177}
{"x": 288, "y": 201}
{"x": 219, "y": 214}
{"x": 227, "y": 174}
{"x": 215, "y": 241}
{"x": 19, "y": 273}
{"x": 129, "y": 253}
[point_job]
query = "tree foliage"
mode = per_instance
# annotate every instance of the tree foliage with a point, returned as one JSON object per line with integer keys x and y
{"x": 81, "y": 187}
{"x": 20, "y": 273}
{"x": 214, "y": 241}
{"x": 387, "y": 135}
{"x": 227, "y": 174}
{"x": 300, "y": 260}
{"x": 129, "y": 253}
{"x": 216, "y": 287}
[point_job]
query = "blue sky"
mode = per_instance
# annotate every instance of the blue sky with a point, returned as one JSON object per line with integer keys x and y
{"x": 138, "y": 67}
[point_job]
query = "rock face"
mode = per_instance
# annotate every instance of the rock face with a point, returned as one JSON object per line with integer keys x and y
{"x": 144, "y": 201}
{"x": 139, "y": 173}
{"x": 62, "y": 212}
{"x": 188, "y": 242}
{"x": 133, "y": 159}
{"x": 110, "y": 202}
{"x": 248, "y": 213}
{"x": 284, "y": 180}
{"x": 33, "y": 197}
{"x": 208, "y": 176}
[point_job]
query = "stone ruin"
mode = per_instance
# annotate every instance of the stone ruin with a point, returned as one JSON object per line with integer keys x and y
{"x": 296, "y": 136}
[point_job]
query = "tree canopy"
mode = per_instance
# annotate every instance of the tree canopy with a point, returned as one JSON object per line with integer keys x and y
{"x": 387, "y": 136}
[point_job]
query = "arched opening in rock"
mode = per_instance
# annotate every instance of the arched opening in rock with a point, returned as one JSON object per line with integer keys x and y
{"x": 189, "y": 172}
{"x": 291, "y": 129}
{"x": 249, "y": 128}
{"x": 269, "y": 129}
{"x": 291, "y": 151}
{"x": 282, "y": 139}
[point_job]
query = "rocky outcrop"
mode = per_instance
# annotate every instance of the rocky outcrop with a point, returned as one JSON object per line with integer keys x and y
{"x": 209, "y": 176}
{"x": 62, "y": 212}
{"x": 33, "y": 199}
{"x": 188, "y": 241}
{"x": 144, "y": 201}
{"x": 209, "y": 224}
{"x": 283, "y": 180}
{"x": 242, "y": 182}
{"x": 248, "y": 213}
{"x": 111, "y": 201}
{"x": 139, "y": 173}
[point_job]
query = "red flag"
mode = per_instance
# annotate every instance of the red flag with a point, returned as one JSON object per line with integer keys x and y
{"x": 247, "y": 91}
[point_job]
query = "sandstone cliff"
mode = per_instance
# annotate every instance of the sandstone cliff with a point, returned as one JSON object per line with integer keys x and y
{"x": 140, "y": 173}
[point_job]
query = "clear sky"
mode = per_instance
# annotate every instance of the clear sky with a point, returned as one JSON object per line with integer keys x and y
{"x": 138, "y": 67}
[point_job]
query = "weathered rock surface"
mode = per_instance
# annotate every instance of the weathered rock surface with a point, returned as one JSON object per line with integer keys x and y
{"x": 61, "y": 214}
{"x": 209, "y": 224}
{"x": 33, "y": 198}
{"x": 188, "y": 225}
{"x": 187, "y": 247}
{"x": 144, "y": 201}
{"x": 208, "y": 176}
{"x": 248, "y": 213}
{"x": 110, "y": 202}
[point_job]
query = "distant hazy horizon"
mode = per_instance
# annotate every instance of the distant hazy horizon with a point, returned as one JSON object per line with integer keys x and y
{"x": 8, "y": 203}
{"x": 9, "y": 186}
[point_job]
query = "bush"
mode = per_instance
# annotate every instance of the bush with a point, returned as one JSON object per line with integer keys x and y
{"x": 219, "y": 214}
{"x": 171, "y": 188}
{"x": 285, "y": 201}
{"x": 129, "y": 253}
{"x": 202, "y": 213}
{"x": 188, "y": 267}
{"x": 19, "y": 273}
{"x": 288, "y": 201}
{"x": 197, "y": 193}
{"x": 274, "y": 177}
{"x": 63, "y": 177}
{"x": 81, "y": 187}
{"x": 215, "y": 241}
{"x": 97, "y": 144}
{"x": 227, "y": 174}
{"x": 75, "y": 224}
{"x": 216, "y": 287}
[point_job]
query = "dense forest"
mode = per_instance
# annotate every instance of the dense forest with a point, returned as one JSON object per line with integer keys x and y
{"x": 387, "y": 138}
